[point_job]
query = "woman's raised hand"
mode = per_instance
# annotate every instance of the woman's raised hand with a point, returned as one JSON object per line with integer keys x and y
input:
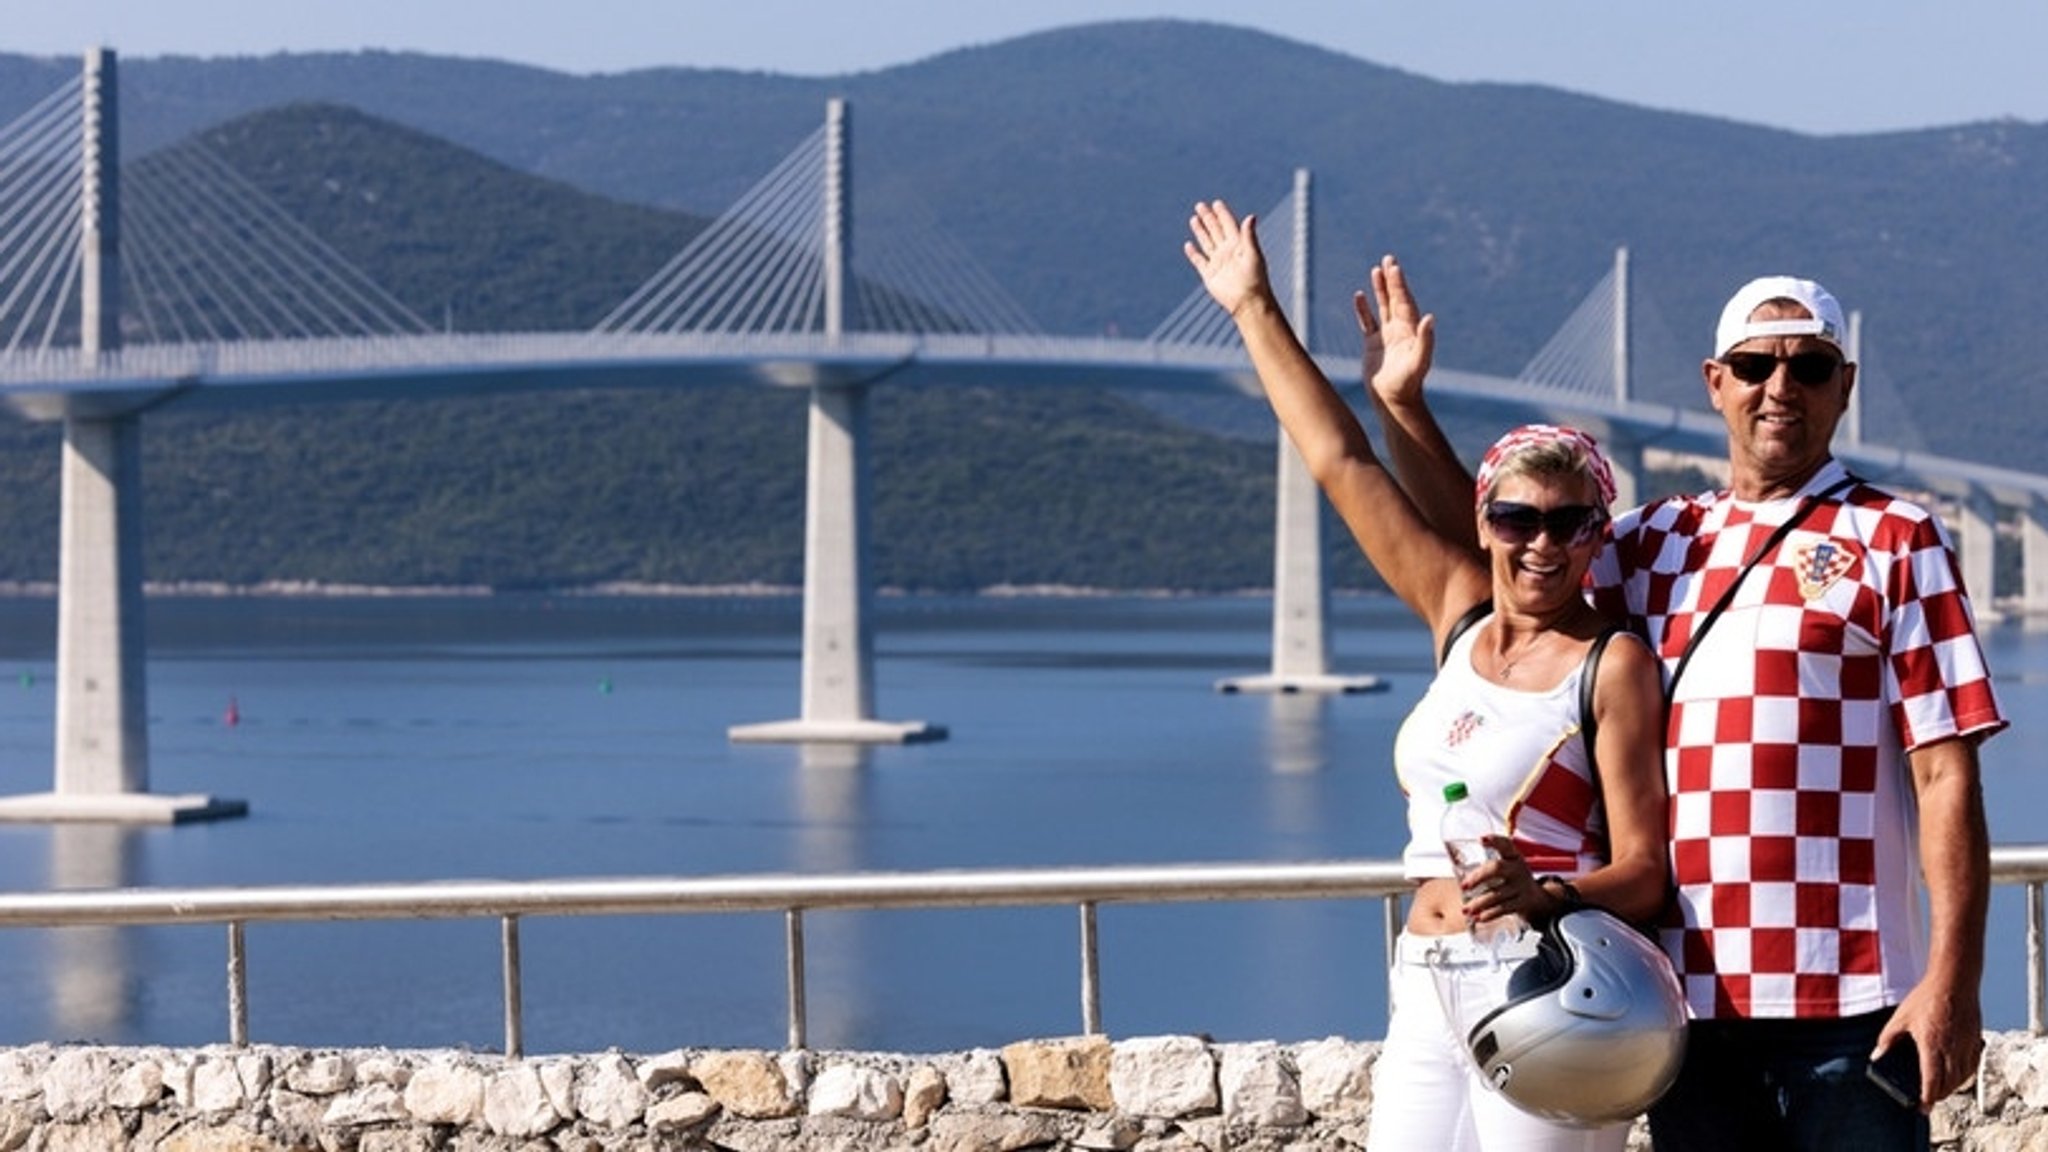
{"x": 1400, "y": 339}
{"x": 1226, "y": 254}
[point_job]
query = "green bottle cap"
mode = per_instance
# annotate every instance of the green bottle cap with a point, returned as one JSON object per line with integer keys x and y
{"x": 1454, "y": 792}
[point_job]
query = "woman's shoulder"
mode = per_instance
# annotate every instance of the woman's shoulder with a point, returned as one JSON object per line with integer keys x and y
{"x": 1465, "y": 622}
{"x": 1627, "y": 660}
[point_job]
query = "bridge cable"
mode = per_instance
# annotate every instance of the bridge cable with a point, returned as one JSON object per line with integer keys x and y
{"x": 220, "y": 294}
{"x": 916, "y": 266}
{"x": 758, "y": 269}
{"x": 791, "y": 262}
{"x": 309, "y": 286}
{"x": 55, "y": 115}
{"x": 723, "y": 244}
{"x": 1579, "y": 357}
{"x": 143, "y": 288}
{"x": 37, "y": 265}
{"x": 153, "y": 268}
{"x": 54, "y": 207}
{"x": 781, "y": 286}
{"x": 41, "y": 174}
{"x": 241, "y": 246}
{"x": 657, "y": 303}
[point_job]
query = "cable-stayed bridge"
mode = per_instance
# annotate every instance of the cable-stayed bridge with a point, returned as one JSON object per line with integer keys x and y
{"x": 174, "y": 282}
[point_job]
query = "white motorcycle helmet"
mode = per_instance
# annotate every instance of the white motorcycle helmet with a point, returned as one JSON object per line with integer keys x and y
{"x": 1593, "y": 1030}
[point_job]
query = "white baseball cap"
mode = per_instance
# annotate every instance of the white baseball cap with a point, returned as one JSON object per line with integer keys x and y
{"x": 1825, "y": 314}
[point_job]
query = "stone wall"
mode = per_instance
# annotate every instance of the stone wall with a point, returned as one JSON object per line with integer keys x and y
{"x": 1154, "y": 1094}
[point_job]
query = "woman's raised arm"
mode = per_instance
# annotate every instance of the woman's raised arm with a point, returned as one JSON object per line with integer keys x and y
{"x": 1433, "y": 576}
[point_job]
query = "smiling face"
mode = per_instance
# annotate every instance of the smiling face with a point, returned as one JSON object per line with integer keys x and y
{"x": 1779, "y": 427}
{"x": 1543, "y": 570}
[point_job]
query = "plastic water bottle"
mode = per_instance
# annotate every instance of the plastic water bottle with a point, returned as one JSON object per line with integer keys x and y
{"x": 1464, "y": 827}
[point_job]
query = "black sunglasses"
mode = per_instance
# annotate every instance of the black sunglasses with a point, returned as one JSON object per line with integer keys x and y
{"x": 1808, "y": 368}
{"x": 1573, "y": 524}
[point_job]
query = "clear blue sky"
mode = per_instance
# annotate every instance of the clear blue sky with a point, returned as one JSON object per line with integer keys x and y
{"x": 1818, "y": 66}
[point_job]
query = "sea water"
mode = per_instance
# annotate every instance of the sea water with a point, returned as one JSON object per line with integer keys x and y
{"x": 527, "y": 737}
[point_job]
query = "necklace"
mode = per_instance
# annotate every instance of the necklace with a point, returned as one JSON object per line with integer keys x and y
{"x": 1508, "y": 664}
{"x": 1536, "y": 644}
{"x": 1534, "y": 647}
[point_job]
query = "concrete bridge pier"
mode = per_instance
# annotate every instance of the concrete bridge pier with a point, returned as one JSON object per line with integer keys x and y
{"x": 838, "y": 658}
{"x": 1976, "y": 535}
{"x": 1301, "y": 593}
{"x": 2034, "y": 556}
{"x": 102, "y": 754}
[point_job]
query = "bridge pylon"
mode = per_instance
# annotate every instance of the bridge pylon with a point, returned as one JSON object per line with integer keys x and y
{"x": 838, "y": 698}
{"x": 1301, "y": 587}
{"x": 102, "y": 754}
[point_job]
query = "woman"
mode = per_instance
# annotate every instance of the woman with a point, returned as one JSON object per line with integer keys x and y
{"x": 1503, "y": 714}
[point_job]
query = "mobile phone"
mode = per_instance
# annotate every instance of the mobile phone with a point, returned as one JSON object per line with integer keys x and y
{"x": 1898, "y": 1071}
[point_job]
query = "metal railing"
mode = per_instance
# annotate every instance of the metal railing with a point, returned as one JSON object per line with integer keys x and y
{"x": 793, "y": 896}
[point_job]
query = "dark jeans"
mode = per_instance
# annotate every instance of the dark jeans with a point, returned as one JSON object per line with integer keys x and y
{"x": 1782, "y": 1086}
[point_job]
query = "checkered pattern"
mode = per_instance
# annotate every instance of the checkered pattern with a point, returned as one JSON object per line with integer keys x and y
{"x": 1793, "y": 823}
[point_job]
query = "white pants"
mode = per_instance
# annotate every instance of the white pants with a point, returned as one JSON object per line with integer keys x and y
{"x": 1427, "y": 1093}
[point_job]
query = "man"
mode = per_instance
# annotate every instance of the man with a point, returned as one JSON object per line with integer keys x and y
{"x": 1828, "y": 693}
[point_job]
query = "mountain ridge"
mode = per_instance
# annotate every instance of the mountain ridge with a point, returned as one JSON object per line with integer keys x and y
{"x": 1065, "y": 162}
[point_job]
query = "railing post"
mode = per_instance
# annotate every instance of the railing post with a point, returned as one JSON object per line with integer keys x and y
{"x": 238, "y": 987}
{"x": 2037, "y": 963}
{"x": 794, "y": 920}
{"x": 515, "y": 1024}
{"x": 1091, "y": 973}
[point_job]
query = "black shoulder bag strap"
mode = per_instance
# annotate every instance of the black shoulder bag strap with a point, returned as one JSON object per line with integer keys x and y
{"x": 1770, "y": 543}
{"x": 1589, "y": 726}
{"x": 1462, "y": 625}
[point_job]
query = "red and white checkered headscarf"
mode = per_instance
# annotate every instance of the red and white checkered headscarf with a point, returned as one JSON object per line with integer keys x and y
{"x": 1531, "y": 435}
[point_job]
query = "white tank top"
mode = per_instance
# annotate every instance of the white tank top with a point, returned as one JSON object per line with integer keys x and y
{"x": 1520, "y": 757}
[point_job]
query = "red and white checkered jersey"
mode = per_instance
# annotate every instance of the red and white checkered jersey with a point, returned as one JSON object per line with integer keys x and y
{"x": 1794, "y": 828}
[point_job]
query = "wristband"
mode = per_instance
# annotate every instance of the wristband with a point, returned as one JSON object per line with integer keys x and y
{"x": 1571, "y": 897}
